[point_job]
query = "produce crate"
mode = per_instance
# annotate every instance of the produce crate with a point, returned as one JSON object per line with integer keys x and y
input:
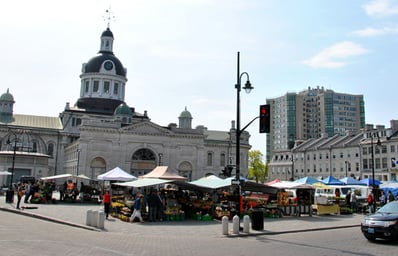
{"x": 207, "y": 217}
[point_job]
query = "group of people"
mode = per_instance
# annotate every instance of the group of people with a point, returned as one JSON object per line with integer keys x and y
{"x": 383, "y": 200}
{"x": 156, "y": 202}
{"x": 352, "y": 200}
{"x": 26, "y": 189}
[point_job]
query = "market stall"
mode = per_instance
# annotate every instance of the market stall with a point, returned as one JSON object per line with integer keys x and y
{"x": 324, "y": 202}
{"x": 294, "y": 198}
{"x": 66, "y": 184}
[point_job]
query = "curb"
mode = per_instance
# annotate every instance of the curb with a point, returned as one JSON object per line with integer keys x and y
{"x": 271, "y": 233}
{"x": 46, "y": 218}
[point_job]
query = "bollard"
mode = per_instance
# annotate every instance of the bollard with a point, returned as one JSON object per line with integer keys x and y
{"x": 246, "y": 224}
{"x": 94, "y": 222}
{"x": 101, "y": 220}
{"x": 225, "y": 225}
{"x": 235, "y": 224}
{"x": 89, "y": 218}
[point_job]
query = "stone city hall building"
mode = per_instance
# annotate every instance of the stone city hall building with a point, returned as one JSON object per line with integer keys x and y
{"x": 100, "y": 131}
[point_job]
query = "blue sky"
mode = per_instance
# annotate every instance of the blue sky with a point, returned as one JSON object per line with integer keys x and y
{"x": 182, "y": 53}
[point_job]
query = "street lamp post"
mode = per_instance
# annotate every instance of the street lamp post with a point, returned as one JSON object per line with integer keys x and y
{"x": 78, "y": 162}
{"x": 160, "y": 155}
{"x": 292, "y": 166}
{"x": 10, "y": 192}
{"x": 247, "y": 88}
{"x": 373, "y": 169}
{"x": 291, "y": 144}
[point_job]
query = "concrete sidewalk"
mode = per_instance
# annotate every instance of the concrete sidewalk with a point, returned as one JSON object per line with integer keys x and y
{"x": 75, "y": 214}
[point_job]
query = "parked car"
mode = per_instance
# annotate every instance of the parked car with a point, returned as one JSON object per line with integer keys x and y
{"x": 382, "y": 224}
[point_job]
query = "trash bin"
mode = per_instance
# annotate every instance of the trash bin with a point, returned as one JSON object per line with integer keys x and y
{"x": 10, "y": 196}
{"x": 258, "y": 219}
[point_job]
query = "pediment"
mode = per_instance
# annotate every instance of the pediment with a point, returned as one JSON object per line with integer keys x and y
{"x": 147, "y": 128}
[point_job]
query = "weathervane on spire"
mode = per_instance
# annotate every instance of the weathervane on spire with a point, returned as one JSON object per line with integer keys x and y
{"x": 109, "y": 16}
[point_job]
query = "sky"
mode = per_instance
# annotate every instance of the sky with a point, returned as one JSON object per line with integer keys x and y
{"x": 183, "y": 53}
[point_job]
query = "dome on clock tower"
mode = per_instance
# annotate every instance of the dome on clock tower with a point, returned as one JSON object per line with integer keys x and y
{"x": 103, "y": 79}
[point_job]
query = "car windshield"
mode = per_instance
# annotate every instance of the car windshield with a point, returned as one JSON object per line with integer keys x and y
{"x": 389, "y": 208}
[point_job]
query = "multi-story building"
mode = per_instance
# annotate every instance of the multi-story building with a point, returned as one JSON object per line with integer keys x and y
{"x": 310, "y": 114}
{"x": 101, "y": 132}
{"x": 348, "y": 155}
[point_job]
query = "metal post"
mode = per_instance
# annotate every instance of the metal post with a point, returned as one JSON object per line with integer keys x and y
{"x": 248, "y": 88}
{"x": 78, "y": 160}
{"x": 10, "y": 192}
{"x": 292, "y": 166}
{"x": 13, "y": 160}
{"x": 373, "y": 172}
{"x": 238, "y": 88}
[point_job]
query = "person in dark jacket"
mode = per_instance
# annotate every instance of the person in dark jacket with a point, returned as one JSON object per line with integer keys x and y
{"x": 348, "y": 199}
{"x": 153, "y": 204}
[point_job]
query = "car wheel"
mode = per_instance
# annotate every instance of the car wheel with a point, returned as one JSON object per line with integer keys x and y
{"x": 370, "y": 237}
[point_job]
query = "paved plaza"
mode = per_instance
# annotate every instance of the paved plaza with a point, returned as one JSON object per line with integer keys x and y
{"x": 60, "y": 229}
{"x": 75, "y": 214}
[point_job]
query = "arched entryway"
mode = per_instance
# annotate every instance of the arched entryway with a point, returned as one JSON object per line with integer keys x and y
{"x": 97, "y": 167}
{"x": 142, "y": 162}
{"x": 185, "y": 170}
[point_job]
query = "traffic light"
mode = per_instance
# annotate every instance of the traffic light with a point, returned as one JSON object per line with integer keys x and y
{"x": 227, "y": 171}
{"x": 265, "y": 116}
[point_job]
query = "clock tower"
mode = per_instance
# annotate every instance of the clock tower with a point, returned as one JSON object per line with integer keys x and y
{"x": 103, "y": 80}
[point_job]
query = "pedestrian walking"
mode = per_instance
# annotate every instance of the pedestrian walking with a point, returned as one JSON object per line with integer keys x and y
{"x": 137, "y": 208}
{"x": 382, "y": 198}
{"x": 354, "y": 206}
{"x": 107, "y": 203}
{"x": 27, "y": 192}
{"x": 20, "y": 193}
{"x": 390, "y": 197}
{"x": 370, "y": 202}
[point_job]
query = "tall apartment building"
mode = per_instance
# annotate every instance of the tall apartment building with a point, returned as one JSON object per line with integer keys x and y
{"x": 310, "y": 114}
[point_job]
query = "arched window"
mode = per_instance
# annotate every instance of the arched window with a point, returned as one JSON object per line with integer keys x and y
{"x": 209, "y": 159}
{"x": 142, "y": 162}
{"x": 222, "y": 159}
{"x": 50, "y": 149}
{"x": 98, "y": 166}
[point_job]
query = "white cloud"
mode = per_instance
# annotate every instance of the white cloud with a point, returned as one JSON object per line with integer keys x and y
{"x": 381, "y": 8}
{"x": 334, "y": 56}
{"x": 369, "y": 32}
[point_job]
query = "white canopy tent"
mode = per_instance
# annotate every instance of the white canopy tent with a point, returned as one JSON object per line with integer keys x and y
{"x": 290, "y": 185}
{"x": 116, "y": 174}
{"x": 163, "y": 172}
{"x": 212, "y": 182}
{"x": 144, "y": 182}
{"x": 60, "y": 176}
{"x": 65, "y": 175}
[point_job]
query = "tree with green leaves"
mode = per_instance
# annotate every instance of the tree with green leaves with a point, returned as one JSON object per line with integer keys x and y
{"x": 257, "y": 169}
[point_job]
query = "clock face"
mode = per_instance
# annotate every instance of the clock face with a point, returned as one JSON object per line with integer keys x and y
{"x": 108, "y": 65}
